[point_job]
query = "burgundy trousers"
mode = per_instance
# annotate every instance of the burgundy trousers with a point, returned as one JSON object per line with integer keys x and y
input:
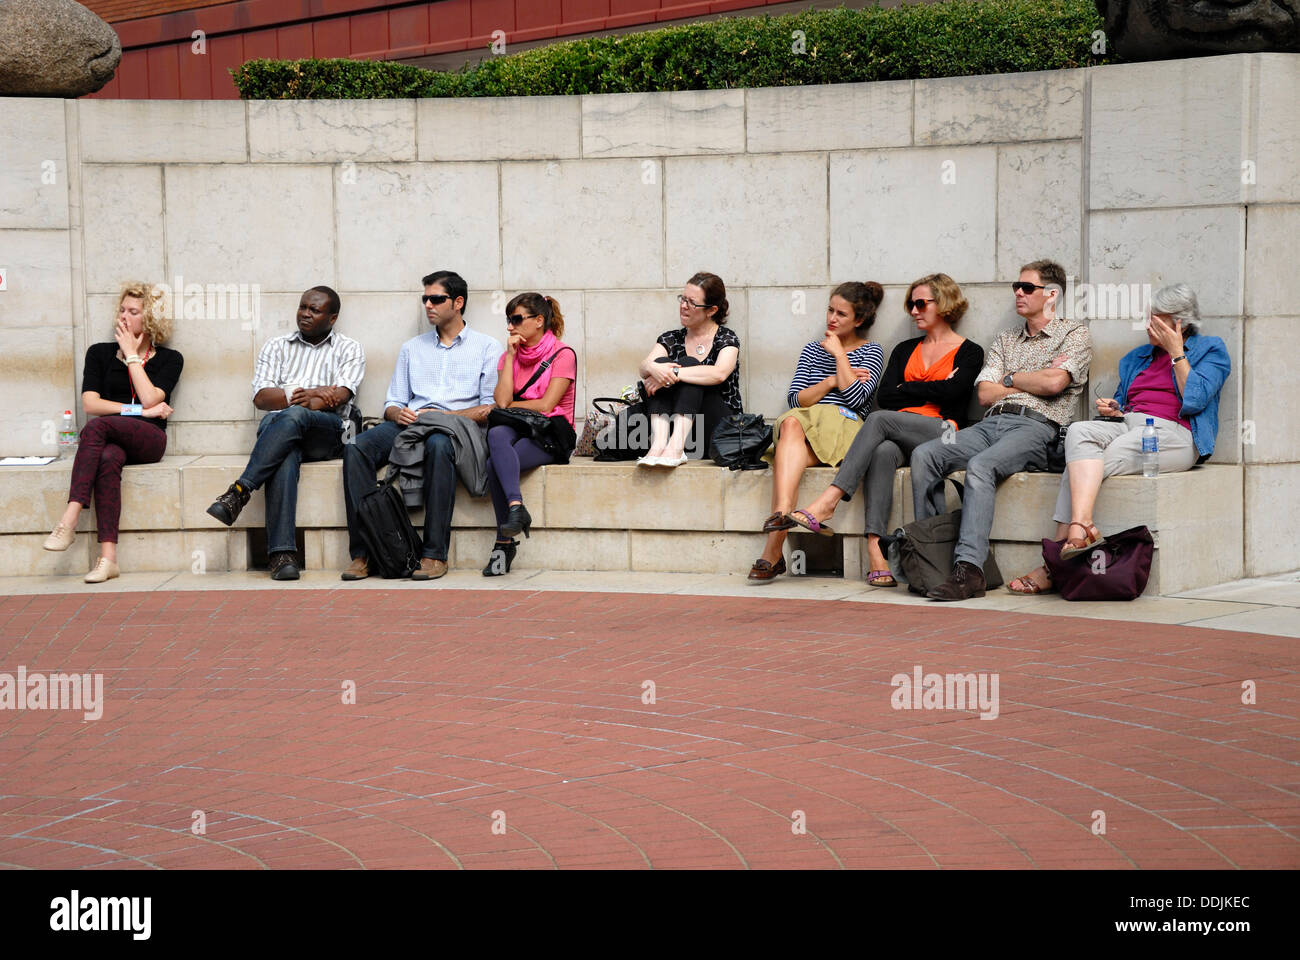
{"x": 105, "y": 446}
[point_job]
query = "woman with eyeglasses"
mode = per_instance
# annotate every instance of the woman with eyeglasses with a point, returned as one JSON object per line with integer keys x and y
{"x": 924, "y": 392}
{"x": 125, "y": 391}
{"x": 692, "y": 375}
{"x": 536, "y": 373}
{"x": 1174, "y": 379}
{"x": 834, "y": 380}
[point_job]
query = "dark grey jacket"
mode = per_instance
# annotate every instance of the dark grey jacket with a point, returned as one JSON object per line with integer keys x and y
{"x": 467, "y": 437}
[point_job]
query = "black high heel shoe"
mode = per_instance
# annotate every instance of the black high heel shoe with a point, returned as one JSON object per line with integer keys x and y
{"x": 503, "y": 554}
{"x": 518, "y": 519}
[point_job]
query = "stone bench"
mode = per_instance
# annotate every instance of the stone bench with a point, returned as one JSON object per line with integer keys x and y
{"x": 609, "y": 516}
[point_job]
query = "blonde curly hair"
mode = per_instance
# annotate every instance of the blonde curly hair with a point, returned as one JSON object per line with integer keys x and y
{"x": 153, "y": 309}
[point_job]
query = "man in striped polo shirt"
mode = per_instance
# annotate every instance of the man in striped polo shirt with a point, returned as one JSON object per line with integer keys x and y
{"x": 307, "y": 381}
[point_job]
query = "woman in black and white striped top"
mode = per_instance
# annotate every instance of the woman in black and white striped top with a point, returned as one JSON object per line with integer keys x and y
{"x": 829, "y": 395}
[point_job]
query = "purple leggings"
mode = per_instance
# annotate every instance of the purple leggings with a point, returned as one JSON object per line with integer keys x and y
{"x": 508, "y": 455}
{"x": 105, "y": 445}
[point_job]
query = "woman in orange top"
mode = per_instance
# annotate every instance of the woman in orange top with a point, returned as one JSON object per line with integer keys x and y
{"x": 924, "y": 392}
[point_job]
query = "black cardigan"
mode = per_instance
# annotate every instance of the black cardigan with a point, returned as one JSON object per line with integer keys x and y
{"x": 109, "y": 377}
{"x": 952, "y": 396}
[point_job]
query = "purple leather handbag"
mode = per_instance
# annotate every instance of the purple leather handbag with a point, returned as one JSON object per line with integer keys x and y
{"x": 1115, "y": 570}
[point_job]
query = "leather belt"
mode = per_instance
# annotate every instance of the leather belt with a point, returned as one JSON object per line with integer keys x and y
{"x": 1019, "y": 409}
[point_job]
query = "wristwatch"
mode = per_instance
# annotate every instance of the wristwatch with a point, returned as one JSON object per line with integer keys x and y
{"x": 1006, "y": 381}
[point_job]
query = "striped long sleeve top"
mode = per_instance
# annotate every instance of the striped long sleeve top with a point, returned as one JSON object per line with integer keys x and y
{"x": 815, "y": 365}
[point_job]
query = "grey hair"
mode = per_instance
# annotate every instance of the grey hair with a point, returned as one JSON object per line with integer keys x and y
{"x": 1178, "y": 301}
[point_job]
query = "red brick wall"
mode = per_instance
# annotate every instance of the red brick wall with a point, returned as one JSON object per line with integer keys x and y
{"x": 158, "y": 61}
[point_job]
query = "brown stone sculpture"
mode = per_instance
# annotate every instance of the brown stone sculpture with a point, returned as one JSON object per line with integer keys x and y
{"x": 1161, "y": 29}
{"x": 54, "y": 48}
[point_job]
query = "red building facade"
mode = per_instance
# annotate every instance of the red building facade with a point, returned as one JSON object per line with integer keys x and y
{"x": 184, "y": 49}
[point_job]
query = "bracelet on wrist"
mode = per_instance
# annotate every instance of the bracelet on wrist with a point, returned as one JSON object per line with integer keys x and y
{"x": 1176, "y": 359}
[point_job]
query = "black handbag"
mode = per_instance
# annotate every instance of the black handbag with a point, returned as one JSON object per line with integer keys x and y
{"x": 554, "y": 434}
{"x": 392, "y": 546}
{"x": 925, "y": 549}
{"x": 628, "y": 436}
{"x": 739, "y": 442}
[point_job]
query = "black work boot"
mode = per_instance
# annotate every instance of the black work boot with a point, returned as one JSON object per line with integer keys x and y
{"x": 967, "y": 581}
{"x": 284, "y": 565}
{"x": 227, "y": 506}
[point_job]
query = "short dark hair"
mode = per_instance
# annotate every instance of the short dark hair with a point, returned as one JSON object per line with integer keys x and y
{"x": 864, "y": 298}
{"x": 715, "y": 293}
{"x": 1049, "y": 271}
{"x": 452, "y": 282}
{"x": 335, "y": 304}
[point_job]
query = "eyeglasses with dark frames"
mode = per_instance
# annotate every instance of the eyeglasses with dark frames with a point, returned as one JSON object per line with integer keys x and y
{"x": 1022, "y": 286}
{"x": 687, "y": 301}
{"x": 435, "y": 298}
{"x": 514, "y": 319}
{"x": 919, "y": 304}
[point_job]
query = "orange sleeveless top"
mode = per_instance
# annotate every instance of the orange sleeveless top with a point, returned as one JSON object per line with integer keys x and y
{"x": 916, "y": 370}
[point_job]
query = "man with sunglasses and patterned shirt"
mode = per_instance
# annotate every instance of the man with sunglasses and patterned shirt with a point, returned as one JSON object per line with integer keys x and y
{"x": 450, "y": 368}
{"x": 1031, "y": 381}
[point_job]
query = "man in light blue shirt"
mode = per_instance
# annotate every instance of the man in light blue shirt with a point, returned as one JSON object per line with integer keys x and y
{"x": 451, "y": 368}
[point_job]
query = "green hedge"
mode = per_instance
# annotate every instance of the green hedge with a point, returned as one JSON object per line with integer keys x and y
{"x": 956, "y": 38}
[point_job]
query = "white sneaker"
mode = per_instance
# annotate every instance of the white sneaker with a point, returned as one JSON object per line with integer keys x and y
{"x": 104, "y": 569}
{"x": 60, "y": 539}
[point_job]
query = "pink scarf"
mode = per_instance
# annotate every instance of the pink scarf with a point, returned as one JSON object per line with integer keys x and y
{"x": 526, "y": 361}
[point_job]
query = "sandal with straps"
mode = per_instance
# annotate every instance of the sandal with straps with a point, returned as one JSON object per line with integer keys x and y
{"x": 1029, "y": 586}
{"x": 1077, "y": 545}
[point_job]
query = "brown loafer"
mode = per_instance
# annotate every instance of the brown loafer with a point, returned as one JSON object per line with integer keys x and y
{"x": 762, "y": 570}
{"x": 430, "y": 569}
{"x": 359, "y": 569}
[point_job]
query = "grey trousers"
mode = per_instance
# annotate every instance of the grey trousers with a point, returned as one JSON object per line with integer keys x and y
{"x": 884, "y": 443}
{"x": 1119, "y": 447}
{"x": 991, "y": 451}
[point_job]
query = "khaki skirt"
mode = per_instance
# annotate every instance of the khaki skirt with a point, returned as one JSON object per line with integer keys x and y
{"x": 829, "y": 427}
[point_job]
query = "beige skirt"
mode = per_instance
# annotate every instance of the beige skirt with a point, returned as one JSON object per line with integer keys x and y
{"x": 830, "y": 430}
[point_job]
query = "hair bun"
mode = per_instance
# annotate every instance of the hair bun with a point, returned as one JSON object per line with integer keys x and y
{"x": 875, "y": 292}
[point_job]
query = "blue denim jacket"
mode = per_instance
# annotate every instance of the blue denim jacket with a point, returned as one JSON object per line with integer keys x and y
{"x": 1210, "y": 367}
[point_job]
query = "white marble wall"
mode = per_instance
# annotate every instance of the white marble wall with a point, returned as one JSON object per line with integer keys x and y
{"x": 1142, "y": 173}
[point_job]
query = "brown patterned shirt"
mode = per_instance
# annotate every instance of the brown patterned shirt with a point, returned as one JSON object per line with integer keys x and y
{"x": 1015, "y": 351}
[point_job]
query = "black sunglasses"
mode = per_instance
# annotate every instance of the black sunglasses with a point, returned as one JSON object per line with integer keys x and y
{"x": 514, "y": 319}
{"x": 918, "y": 304}
{"x": 435, "y": 298}
{"x": 1020, "y": 286}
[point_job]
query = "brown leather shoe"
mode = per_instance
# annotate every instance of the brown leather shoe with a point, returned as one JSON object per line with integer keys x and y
{"x": 359, "y": 569}
{"x": 430, "y": 569}
{"x": 762, "y": 570}
{"x": 967, "y": 581}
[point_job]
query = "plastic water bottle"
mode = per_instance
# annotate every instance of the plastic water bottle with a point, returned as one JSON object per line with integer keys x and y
{"x": 1150, "y": 450}
{"x": 67, "y": 437}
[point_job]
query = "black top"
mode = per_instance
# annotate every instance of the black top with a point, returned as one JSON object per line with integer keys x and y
{"x": 674, "y": 341}
{"x": 952, "y": 396}
{"x": 109, "y": 377}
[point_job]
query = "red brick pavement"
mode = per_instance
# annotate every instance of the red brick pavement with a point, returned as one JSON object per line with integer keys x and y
{"x": 533, "y": 713}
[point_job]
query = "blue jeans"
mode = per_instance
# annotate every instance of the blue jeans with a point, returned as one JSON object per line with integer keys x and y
{"x": 361, "y": 463}
{"x": 990, "y": 451}
{"x": 285, "y": 439}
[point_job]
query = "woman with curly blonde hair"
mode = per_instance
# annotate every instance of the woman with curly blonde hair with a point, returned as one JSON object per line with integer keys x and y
{"x": 125, "y": 388}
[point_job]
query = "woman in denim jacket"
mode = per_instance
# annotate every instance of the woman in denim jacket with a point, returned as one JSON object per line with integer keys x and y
{"x": 1175, "y": 379}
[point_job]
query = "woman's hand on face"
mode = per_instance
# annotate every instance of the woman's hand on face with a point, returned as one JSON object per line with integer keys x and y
{"x": 128, "y": 341}
{"x": 159, "y": 411}
{"x": 514, "y": 342}
{"x": 833, "y": 345}
{"x": 1169, "y": 335}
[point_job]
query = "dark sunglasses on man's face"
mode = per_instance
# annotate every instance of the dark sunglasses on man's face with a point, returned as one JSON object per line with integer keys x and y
{"x": 1020, "y": 286}
{"x": 918, "y": 304}
{"x": 514, "y": 319}
{"x": 437, "y": 299}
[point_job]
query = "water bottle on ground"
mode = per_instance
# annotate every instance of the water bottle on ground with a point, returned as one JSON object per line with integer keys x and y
{"x": 1150, "y": 450}
{"x": 67, "y": 437}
